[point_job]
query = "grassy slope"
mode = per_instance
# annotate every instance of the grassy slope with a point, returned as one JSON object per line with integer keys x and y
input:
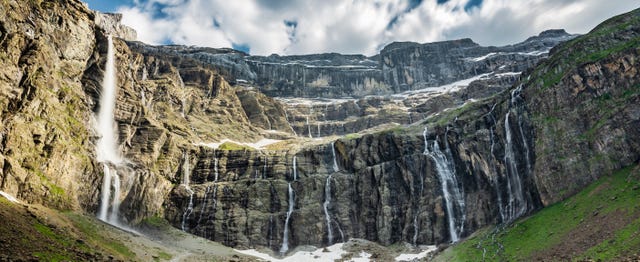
{"x": 602, "y": 222}
{"x": 37, "y": 233}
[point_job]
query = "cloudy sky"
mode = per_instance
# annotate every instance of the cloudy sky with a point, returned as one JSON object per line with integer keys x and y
{"x": 264, "y": 27}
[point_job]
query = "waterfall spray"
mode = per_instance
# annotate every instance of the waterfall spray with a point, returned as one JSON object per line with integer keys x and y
{"x": 106, "y": 148}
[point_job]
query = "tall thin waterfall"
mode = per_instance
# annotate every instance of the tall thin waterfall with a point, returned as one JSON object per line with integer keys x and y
{"x": 264, "y": 167}
{"x": 516, "y": 204}
{"x": 106, "y": 148}
{"x": 285, "y": 237}
{"x": 185, "y": 182}
{"x": 453, "y": 194}
{"x": 335, "y": 161}
{"x": 309, "y": 127}
{"x": 204, "y": 205}
{"x": 325, "y": 206}
{"x": 215, "y": 167}
{"x": 494, "y": 179}
{"x": 295, "y": 169}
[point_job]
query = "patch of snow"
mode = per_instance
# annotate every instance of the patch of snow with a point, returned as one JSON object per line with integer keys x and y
{"x": 362, "y": 257}
{"x": 314, "y": 101}
{"x": 478, "y": 59}
{"x": 455, "y": 86}
{"x": 508, "y": 74}
{"x": 257, "y": 145}
{"x": 334, "y": 252}
{"x": 9, "y": 197}
{"x": 532, "y": 53}
{"x": 418, "y": 256}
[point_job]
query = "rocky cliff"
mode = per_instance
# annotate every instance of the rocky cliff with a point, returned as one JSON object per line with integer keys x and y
{"x": 463, "y": 141}
{"x": 398, "y": 67}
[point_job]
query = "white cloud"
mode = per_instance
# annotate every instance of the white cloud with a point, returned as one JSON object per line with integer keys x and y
{"x": 357, "y": 26}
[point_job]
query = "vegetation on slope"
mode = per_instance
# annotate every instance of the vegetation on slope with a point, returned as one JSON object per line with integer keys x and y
{"x": 600, "y": 223}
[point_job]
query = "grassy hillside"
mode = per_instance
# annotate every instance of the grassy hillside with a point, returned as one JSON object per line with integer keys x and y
{"x": 37, "y": 233}
{"x": 600, "y": 223}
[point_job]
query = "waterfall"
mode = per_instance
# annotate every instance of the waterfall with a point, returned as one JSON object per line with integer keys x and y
{"x": 295, "y": 169}
{"x": 183, "y": 98}
{"x": 286, "y": 116}
{"x": 453, "y": 194}
{"x": 309, "y": 127}
{"x": 185, "y": 182}
{"x": 285, "y": 237}
{"x": 416, "y": 226}
{"x": 325, "y": 205}
{"x": 204, "y": 205}
{"x": 106, "y": 148}
{"x": 415, "y": 229}
{"x": 215, "y": 168}
{"x": 264, "y": 168}
{"x": 335, "y": 161}
{"x": 494, "y": 169}
{"x": 214, "y": 205}
{"x": 516, "y": 204}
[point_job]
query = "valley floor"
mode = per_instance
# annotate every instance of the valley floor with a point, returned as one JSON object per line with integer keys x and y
{"x": 34, "y": 232}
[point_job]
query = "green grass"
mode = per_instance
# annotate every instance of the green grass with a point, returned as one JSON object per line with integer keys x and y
{"x": 90, "y": 230}
{"x": 550, "y": 226}
{"x": 229, "y": 146}
{"x": 592, "y": 47}
{"x": 626, "y": 240}
{"x": 51, "y": 256}
{"x": 163, "y": 256}
{"x": 352, "y": 136}
{"x": 155, "y": 221}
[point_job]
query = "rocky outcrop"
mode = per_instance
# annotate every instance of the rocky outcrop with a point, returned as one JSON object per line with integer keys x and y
{"x": 386, "y": 188}
{"x": 45, "y": 151}
{"x": 110, "y": 23}
{"x": 584, "y": 102}
{"x": 399, "y": 66}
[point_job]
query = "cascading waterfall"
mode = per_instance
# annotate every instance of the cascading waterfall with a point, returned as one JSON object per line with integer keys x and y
{"x": 215, "y": 168}
{"x": 453, "y": 194}
{"x": 295, "y": 169}
{"x": 106, "y": 148}
{"x": 335, "y": 161}
{"x": 285, "y": 237}
{"x": 264, "y": 168}
{"x": 183, "y": 99}
{"x": 325, "y": 206}
{"x": 327, "y": 199}
{"x": 494, "y": 169}
{"x": 516, "y": 205}
{"x": 185, "y": 182}
{"x": 286, "y": 116}
{"x": 204, "y": 205}
{"x": 416, "y": 225}
{"x": 309, "y": 128}
{"x": 212, "y": 211}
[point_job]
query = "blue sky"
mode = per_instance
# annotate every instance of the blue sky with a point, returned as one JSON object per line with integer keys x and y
{"x": 351, "y": 26}
{"x": 108, "y": 5}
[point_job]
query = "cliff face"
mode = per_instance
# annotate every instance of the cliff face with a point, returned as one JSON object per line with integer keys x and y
{"x": 584, "y": 103}
{"x": 45, "y": 150}
{"x": 423, "y": 166}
